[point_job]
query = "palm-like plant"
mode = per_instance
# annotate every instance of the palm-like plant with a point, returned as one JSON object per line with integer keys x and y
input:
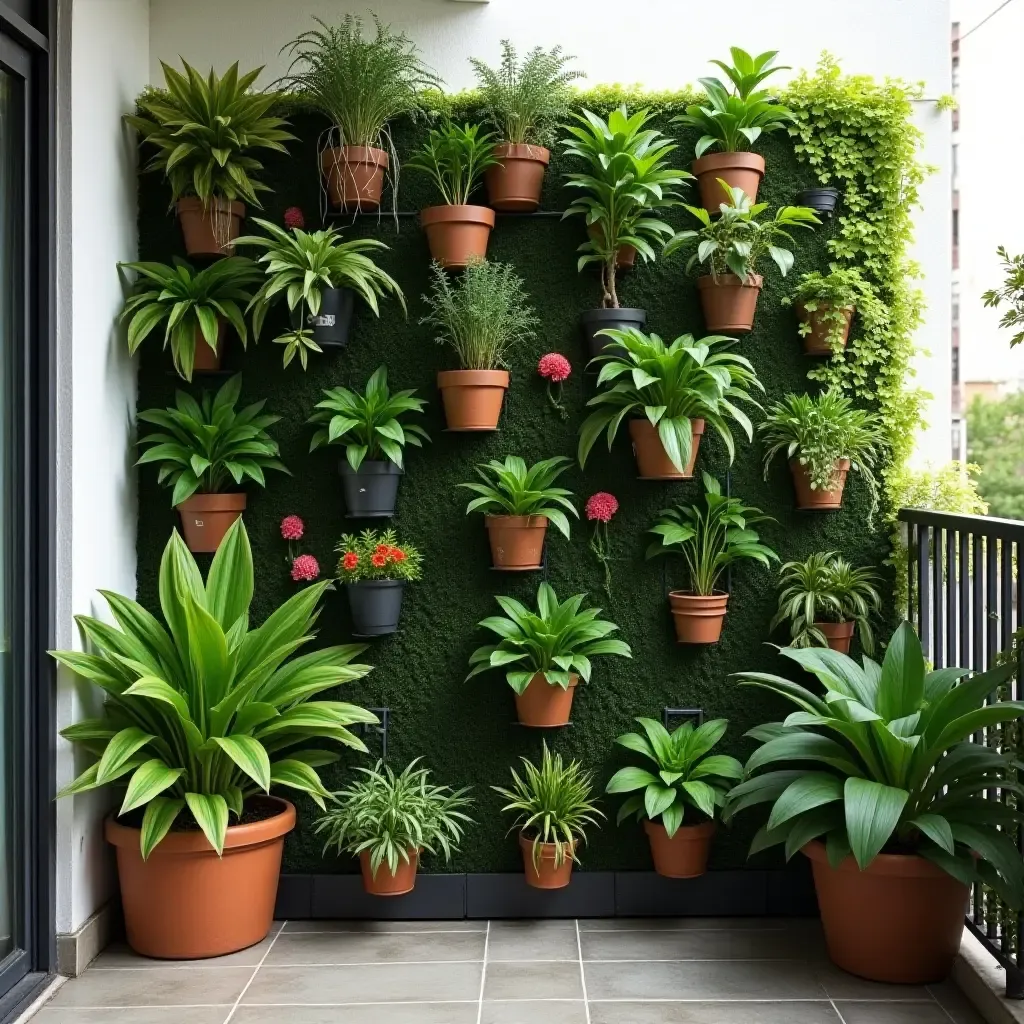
{"x": 455, "y": 158}
{"x": 189, "y": 303}
{"x": 627, "y": 180}
{"x": 369, "y": 424}
{"x": 201, "y": 711}
{"x": 555, "y": 641}
{"x": 203, "y": 446}
{"x": 671, "y": 385}
{"x": 203, "y": 129}
{"x": 888, "y": 764}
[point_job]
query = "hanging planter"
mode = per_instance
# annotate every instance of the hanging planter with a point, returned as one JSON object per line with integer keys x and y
{"x": 330, "y": 326}
{"x": 698, "y": 618}
{"x": 514, "y": 183}
{"x": 838, "y": 635}
{"x": 374, "y": 569}
{"x": 376, "y": 606}
{"x": 354, "y": 176}
{"x": 619, "y": 318}
{"x": 652, "y": 460}
{"x": 517, "y": 542}
{"x": 825, "y": 304}
{"x": 819, "y": 499}
{"x": 206, "y": 359}
{"x": 370, "y": 492}
{"x": 457, "y": 235}
{"x": 544, "y": 705}
{"x": 472, "y": 398}
{"x": 729, "y": 303}
{"x": 210, "y": 230}
{"x": 625, "y": 254}
{"x": 738, "y": 170}
{"x": 822, "y": 200}
{"x": 821, "y": 328}
{"x": 206, "y": 518}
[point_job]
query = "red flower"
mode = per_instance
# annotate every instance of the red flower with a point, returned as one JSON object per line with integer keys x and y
{"x": 379, "y": 559}
{"x": 293, "y": 218}
{"x": 350, "y": 561}
{"x": 554, "y": 366}
{"x": 602, "y": 506}
{"x": 305, "y": 568}
{"x": 292, "y": 528}
{"x": 397, "y": 555}
{"x": 381, "y": 549}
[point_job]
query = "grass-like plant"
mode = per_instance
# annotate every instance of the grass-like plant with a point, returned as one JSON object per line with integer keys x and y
{"x": 370, "y": 555}
{"x": 455, "y": 159}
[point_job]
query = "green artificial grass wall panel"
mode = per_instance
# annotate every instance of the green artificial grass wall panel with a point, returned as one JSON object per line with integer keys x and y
{"x": 466, "y": 732}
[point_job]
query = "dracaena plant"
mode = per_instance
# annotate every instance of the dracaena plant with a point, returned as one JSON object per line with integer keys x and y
{"x": 205, "y": 446}
{"x": 686, "y": 774}
{"x": 672, "y": 385}
{"x": 368, "y": 424}
{"x": 455, "y": 159}
{"x": 555, "y": 642}
{"x": 627, "y": 181}
{"x": 882, "y": 761}
{"x": 202, "y": 712}
{"x": 711, "y": 537}
{"x": 204, "y": 130}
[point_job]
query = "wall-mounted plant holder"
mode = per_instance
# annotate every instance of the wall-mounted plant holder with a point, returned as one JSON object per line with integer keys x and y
{"x": 823, "y": 201}
{"x": 365, "y": 729}
{"x": 671, "y": 718}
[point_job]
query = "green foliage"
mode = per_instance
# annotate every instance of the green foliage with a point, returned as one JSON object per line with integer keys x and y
{"x": 687, "y": 775}
{"x": 377, "y": 556}
{"x": 1011, "y": 292}
{"x": 455, "y": 159}
{"x": 995, "y": 443}
{"x": 205, "y": 712}
{"x": 828, "y": 295}
{"x": 390, "y": 816}
{"x": 555, "y": 641}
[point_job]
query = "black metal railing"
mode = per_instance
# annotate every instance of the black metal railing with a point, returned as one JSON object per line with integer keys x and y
{"x": 965, "y": 597}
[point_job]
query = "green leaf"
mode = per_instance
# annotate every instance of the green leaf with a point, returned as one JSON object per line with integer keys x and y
{"x": 250, "y": 755}
{"x": 157, "y": 821}
{"x": 937, "y": 829}
{"x": 150, "y": 779}
{"x": 872, "y": 813}
{"x": 119, "y": 750}
{"x": 811, "y": 790}
{"x": 211, "y": 814}
{"x": 626, "y": 780}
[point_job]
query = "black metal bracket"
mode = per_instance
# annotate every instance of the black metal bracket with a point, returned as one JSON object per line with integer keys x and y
{"x": 677, "y": 716}
{"x": 381, "y": 729}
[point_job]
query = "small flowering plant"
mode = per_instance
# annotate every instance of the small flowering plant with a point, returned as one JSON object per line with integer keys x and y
{"x": 555, "y": 369}
{"x": 599, "y": 510}
{"x": 303, "y": 568}
{"x": 373, "y": 555}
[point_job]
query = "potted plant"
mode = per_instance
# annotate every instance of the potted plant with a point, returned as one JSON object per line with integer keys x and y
{"x": 731, "y": 247}
{"x": 732, "y": 120}
{"x": 482, "y": 316}
{"x": 456, "y": 158}
{"x": 688, "y": 777}
{"x": 202, "y": 717}
{"x": 319, "y": 275}
{"x": 204, "y": 447}
{"x": 524, "y": 99}
{"x": 549, "y": 651}
{"x": 710, "y": 539}
{"x": 878, "y": 782}
{"x": 825, "y": 304}
{"x": 195, "y": 307}
{"x": 371, "y": 429}
{"x": 360, "y": 85}
{"x": 670, "y": 393}
{"x": 627, "y": 181}
{"x": 517, "y": 504}
{"x": 822, "y": 201}
{"x": 375, "y": 568}
{"x": 824, "y": 438}
{"x": 204, "y": 131}
{"x": 553, "y": 808}
{"x": 388, "y": 820}
{"x": 824, "y": 598}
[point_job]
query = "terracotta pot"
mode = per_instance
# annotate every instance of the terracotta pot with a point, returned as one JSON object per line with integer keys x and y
{"x": 205, "y": 359}
{"x": 472, "y": 398}
{"x": 685, "y": 855}
{"x": 737, "y": 170}
{"x": 543, "y": 706}
{"x": 651, "y": 459}
{"x": 625, "y": 255}
{"x": 545, "y": 875}
{"x": 729, "y": 305}
{"x": 900, "y": 920}
{"x": 698, "y": 618}
{"x": 210, "y": 231}
{"x": 816, "y": 343}
{"x": 355, "y": 176}
{"x": 185, "y": 902}
{"x": 205, "y": 518}
{"x": 517, "y": 542}
{"x": 819, "y": 500}
{"x": 385, "y": 883}
{"x": 457, "y": 234}
{"x": 514, "y": 183}
{"x": 838, "y": 634}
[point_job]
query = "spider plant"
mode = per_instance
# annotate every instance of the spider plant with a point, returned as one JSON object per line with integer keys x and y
{"x": 455, "y": 158}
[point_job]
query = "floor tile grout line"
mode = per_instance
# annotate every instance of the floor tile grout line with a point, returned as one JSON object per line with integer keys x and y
{"x": 835, "y": 1009}
{"x": 939, "y": 1003}
{"x": 583, "y": 973}
{"x": 483, "y": 976}
{"x": 252, "y": 977}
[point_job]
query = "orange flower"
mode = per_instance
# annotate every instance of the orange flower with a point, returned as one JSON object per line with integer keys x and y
{"x": 350, "y": 561}
{"x": 397, "y": 555}
{"x": 379, "y": 559}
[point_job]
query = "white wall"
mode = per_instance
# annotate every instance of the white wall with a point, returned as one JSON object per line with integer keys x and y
{"x": 106, "y": 68}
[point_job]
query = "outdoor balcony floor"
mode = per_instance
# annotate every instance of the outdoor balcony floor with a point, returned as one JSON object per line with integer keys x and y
{"x": 692, "y": 971}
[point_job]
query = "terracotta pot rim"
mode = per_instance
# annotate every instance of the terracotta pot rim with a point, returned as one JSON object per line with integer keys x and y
{"x": 688, "y": 596}
{"x": 722, "y": 161}
{"x": 704, "y": 830}
{"x": 823, "y": 306}
{"x": 227, "y": 501}
{"x": 730, "y": 281}
{"x": 374, "y": 584}
{"x": 469, "y": 214}
{"x": 473, "y": 378}
{"x": 523, "y": 151}
{"x": 696, "y": 423}
{"x": 839, "y": 629}
{"x": 893, "y": 865}
{"x": 574, "y": 680}
{"x": 515, "y": 522}
{"x": 547, "y": 850}
{"x": 191, "y": 203}
{"x": 841, "y": 465}
{"x": 600, "y": 313}
{"x": 357, "y": 155}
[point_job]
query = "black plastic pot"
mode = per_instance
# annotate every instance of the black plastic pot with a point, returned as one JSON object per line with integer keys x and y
{"x": 821, "y": 200}
{"x": 376, "y": 606}
{"x": 594, "y": 320}
{"x": 331, "y": 325}
{"x": 370, "y": 493}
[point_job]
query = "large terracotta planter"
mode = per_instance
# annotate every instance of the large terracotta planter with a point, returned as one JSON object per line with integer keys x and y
{"x": 385, "y": 883}
{"x": 205, "y": 518}
{"x": 898, "y": 921}
{"x": 816, "y": 343}
{"x": 698, "y": 619}
{"x": 210, "y": 230}
{"x": 457, "y": 234}
{"x": 517, "y": 542}
{"x": 837, "y": 634}
{"x": 544, "y": 874}
{"x": 543, "y": 706}
{"x": 685, "y": 854}
{"x": 514, "y": 183}
{"x": 355, "y": 176}
{"x": 737, "y": 170}
{"x": 185, "y": 902}
{"x": 472, "y": 398}
{"x": 819, "y": 500}
{"x": 651, "y": 459}
{"x": 729, "y": 304}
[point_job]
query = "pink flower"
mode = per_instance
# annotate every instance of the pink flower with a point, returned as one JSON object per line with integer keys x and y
{"x": 602, "y": 506}
{"x": 554, "y": 366}
{"x": 292, "y": 528}
{"x": 305, "y": 568}
{"x": 293, "y": 218}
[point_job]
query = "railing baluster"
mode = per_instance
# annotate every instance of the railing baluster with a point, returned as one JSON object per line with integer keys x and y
{"x": 923, "y": 584}
{"x": 949, "y": 566}
{"x": 938, "y": 556}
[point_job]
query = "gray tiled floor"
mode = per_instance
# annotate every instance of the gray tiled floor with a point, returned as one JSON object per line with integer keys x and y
{"x": 693, "y": 971}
